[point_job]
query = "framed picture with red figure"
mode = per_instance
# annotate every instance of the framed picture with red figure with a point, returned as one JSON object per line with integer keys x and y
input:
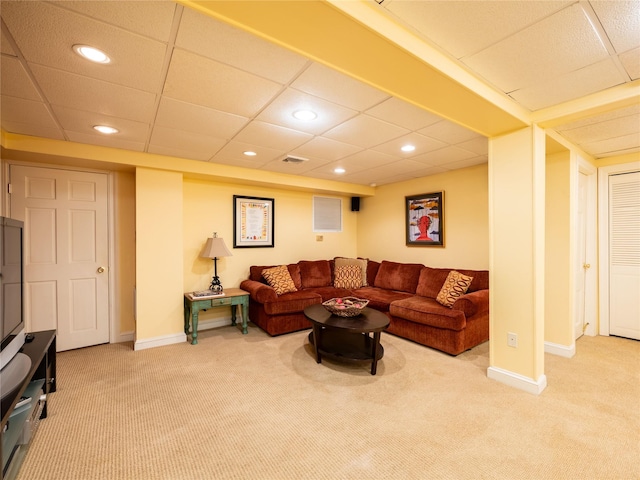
{"x": 425, "y": 219}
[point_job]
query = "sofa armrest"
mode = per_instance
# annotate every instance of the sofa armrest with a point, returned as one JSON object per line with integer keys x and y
{"x": 472, "y": 303}
{"x": 260, "y": 292}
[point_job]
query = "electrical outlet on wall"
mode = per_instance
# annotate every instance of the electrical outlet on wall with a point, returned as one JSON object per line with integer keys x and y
{"x": 512, "y": 339}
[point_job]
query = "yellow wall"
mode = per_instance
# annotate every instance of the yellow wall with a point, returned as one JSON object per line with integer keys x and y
{"x": 382, "y": 227}
{"x": 208, "y": 207}
{"x": 125, "y": 257}
{"x": 558, "y": 325}
{"x": 159, "y": 246}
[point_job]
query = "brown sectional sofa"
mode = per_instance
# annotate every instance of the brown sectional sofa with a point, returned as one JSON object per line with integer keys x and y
{"x": 405, "y": 292}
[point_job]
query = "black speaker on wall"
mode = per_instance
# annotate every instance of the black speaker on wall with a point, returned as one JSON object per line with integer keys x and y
{"x": 355, "y": 204}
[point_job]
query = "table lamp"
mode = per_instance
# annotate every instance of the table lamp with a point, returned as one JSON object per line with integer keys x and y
{"x": 215, "y": 248}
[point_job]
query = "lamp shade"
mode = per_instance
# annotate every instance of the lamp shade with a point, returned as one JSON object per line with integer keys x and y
{"x": 215, "y": 248}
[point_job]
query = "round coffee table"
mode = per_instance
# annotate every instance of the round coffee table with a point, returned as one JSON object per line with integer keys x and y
{"x": 347, "y": 338}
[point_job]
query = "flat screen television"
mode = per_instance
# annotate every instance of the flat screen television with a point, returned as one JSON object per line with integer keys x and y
{"x": 11, "y": 289}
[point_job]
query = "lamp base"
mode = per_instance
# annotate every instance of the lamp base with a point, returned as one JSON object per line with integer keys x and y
{"x": 216, "y": 286}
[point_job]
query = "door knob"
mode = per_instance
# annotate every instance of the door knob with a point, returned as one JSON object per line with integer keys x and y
{"x": 586, "y": 266}
{"x": 100, "y": 269}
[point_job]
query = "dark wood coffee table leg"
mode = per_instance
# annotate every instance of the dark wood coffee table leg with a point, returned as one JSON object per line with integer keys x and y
{"x": 316, "y": 341}
{"x": 376, "y": 345}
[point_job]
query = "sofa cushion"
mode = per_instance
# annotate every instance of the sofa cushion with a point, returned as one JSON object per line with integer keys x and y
{"x": 372, "y": 271}
{"x": 427, "y": 311}
{"x": 361, "y": 263}
{"x": 402, "y": 277}
{"x": 315, "y": 273}
{"x": 454, "y": 287}
{"x": 432, "y": 279}
{"x": 327, "y": 293}
{"x": 294, "y": 302}
{"x": 255, "y": 273}
{"x": 380, "y": 298}
{"x": 348, "y": 276}
{"x": 280, "y": 279}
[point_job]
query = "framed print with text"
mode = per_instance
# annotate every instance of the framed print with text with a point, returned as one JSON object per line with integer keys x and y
{"x": 253, "y": 223}
{"x": 425, "y": 219}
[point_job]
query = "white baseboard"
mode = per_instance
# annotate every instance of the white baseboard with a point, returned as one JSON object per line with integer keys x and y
{"x": 567, "y": 351}
{"x": 518, "y": 381}
{"x": 159, "y": 341}
{"x": 124, "y": 337}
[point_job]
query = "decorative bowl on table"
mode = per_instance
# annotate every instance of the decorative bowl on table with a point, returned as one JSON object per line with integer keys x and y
{"x": 346, "y": 306}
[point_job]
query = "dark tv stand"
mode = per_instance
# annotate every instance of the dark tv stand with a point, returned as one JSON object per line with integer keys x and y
{"x": 42, "y": 376}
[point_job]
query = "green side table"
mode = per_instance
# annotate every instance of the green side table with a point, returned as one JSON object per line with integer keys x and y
{"x": 232, "y": 297}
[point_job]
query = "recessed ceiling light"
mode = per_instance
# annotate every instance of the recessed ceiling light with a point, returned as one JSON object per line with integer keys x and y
{"x": 305, "y": 115}
{"x": 249, "y": 153}
{"x": 91, "y": 53}
{"x": 105, "y": 129}
{"x": 407, "y": 148}
{"x": 339, "y": 170}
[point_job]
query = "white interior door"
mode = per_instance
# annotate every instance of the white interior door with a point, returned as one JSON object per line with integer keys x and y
{"x": 66, "y": 252}
{"x": 624, "y": 255}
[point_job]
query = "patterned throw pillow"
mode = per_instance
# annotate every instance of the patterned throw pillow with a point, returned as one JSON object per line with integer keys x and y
{"x": 280, "y": 279}
{"x": 454, "y": 287}
{"x": 361, "y": 262}
{"x": 348, "y": 276}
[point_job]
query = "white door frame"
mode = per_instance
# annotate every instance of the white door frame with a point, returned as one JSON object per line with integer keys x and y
{"x": 591, "y": 276}
{"x": 114, "y": 333}
{"x": 603, "y": 235}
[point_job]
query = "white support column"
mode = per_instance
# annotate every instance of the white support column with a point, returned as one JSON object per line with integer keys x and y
{"x": 517, "y": 257}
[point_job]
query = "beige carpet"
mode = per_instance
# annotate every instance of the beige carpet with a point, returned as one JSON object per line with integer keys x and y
{"x": 255, "y": 407}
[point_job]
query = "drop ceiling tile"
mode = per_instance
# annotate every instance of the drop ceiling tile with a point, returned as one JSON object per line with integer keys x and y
{"x": 403, "y": 114}
{"x": 202, "y": 147}
{"x": 5, "y": 46}
{"x": 19, "y": 110}
{"x": 420, "y": 142}
{"x": 618, "y": 145}
{"x": 278, "y": 165}
{"x": 151, "y": 19}
{"x": 320, "y": 148}
{"x": 280, "y": 112}
{"x": 365, "y": 131}
{"x": 448, "y": 132}
{"x": 46, "y": 34}
{"x": 559, "y": 44}
{"x": 613, "y": 128}
{"x": 572, "y": 85}
{"x": 272, "y": 136}
{"x": 603, "y": 117}
{"x": 444, "y": 156}
{"x": 32, "y": 130}
{"x": 631, "y": 63}
{"x": 201, "y": 81}
{"x": 105, "y": 141}
{"x": 232, "y": 154}
{"x": 82, "y": 122}
{"x": 15, "y": 81}
{"x": 470, "y": 162}
{"x": 337, "y": 87}
{"x": 621, "y": 21}
{"x": 198, "y": 119}
{"x": 365, "y": 160}
{"x": 479, "y": 145}
{"x": 229, "y": 45}
{"x": 89, "y": 94}
{"x": 465, "y": 27}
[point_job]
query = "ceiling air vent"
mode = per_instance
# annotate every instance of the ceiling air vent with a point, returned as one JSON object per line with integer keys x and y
{"x": 292, "y": 159}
